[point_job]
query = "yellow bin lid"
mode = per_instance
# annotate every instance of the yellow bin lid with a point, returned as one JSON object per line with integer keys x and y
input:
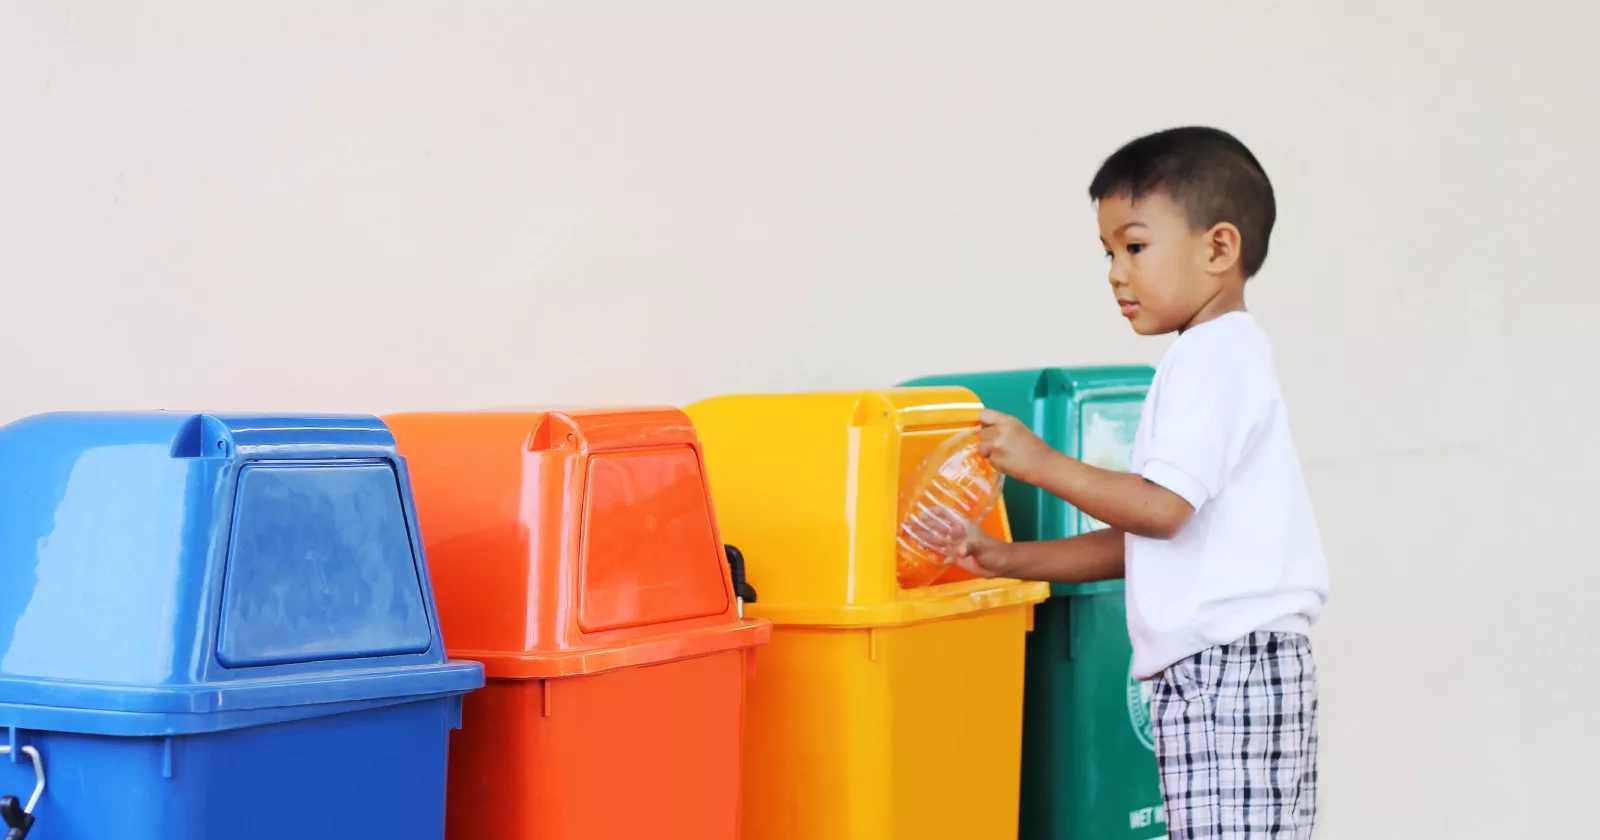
{"x": 807, "y": 486}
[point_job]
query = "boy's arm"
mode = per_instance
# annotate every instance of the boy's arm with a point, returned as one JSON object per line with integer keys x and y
{"x": 1124, "y": 501}
{"x": 1087, "y": 557}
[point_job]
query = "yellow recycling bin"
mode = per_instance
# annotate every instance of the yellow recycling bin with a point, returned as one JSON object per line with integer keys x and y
{"x": 876, "y": 713}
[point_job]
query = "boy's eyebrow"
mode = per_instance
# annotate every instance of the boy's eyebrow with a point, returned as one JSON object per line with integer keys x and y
{"x": 1124, "y": 229}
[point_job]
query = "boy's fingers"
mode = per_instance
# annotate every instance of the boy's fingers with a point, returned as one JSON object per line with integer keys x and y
{"x": 989, "y": 417}
{"x": 970, "y": 565}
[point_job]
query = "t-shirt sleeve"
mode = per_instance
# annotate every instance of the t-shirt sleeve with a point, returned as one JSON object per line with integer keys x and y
{"x": 1209, "y": 407}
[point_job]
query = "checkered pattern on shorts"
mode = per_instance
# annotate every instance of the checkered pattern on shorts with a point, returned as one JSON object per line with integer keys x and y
{"x": 1236, "y": 740}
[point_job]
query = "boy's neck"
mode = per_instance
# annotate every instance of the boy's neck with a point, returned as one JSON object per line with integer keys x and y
{"x": 1228, "y": 299}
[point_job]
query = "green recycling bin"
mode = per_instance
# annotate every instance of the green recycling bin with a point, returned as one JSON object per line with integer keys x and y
{"x": 1088, "y": 756}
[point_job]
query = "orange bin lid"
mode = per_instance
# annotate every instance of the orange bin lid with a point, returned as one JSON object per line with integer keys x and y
{"x": 563, "y": 543}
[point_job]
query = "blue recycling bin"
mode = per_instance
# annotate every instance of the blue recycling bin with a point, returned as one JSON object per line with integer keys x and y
{"x": 218, "y": 627}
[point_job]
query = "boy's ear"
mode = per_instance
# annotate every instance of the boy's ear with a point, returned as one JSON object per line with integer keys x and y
{"x": 1224, "y": 244}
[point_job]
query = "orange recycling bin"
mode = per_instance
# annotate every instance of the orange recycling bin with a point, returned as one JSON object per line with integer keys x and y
{"x": 575, "y": 554}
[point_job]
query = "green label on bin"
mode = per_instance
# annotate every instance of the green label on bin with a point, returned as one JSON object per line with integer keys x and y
{"x": 1139, "y": 709}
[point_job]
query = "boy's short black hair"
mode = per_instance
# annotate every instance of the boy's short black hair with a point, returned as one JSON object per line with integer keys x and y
{"x": 1207, "y": 172}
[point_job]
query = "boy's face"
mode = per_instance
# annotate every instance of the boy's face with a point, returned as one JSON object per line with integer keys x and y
{"x": 1159, "y": 264}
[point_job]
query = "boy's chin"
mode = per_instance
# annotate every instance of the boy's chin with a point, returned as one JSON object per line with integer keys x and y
{"x": 1143, "y": 327}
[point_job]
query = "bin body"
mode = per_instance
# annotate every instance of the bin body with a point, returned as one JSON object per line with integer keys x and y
{"x": 219, "y": 626}
{"x": 576, "y": 555}
{"x": 876, "y": 712}
{"x": 1089, "y": 767}
{"x": 375, "y": 772}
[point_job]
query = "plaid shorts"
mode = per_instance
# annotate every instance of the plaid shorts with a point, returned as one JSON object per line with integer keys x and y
{"x": 1236, "y": 740}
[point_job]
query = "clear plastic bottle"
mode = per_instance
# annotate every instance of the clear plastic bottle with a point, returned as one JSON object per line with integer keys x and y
{"x": 954, "y": 487}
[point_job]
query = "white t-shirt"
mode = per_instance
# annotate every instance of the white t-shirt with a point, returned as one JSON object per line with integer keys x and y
{"x": 1215, "y": 432}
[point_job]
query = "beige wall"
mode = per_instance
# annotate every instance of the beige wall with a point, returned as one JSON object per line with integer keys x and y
{"x": 359, "y": 206}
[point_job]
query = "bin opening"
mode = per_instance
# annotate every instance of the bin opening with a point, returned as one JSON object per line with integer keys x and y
{"x": 320, "y": 567}
{"x": 650, "y": 552}
{"x": 916, "y": 444}
{"x": 1105, "y": 440}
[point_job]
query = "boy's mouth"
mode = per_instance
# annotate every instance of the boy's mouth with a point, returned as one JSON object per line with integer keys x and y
{"x": 1130, "y": 308}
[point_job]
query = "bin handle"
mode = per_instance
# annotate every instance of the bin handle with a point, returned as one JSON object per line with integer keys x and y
{"x": 20, "y": 819}
{"x": 742, "y": 590}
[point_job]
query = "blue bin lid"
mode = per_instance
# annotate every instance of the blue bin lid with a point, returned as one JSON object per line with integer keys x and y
{"x": 169, "y": 573}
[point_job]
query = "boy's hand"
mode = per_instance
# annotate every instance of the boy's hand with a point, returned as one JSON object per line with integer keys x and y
{"x": 983, "y": 555}
{"x": 1012, "y": 447}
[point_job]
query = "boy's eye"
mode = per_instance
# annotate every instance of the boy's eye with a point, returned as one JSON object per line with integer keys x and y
{"x": 1110, "y": 256}
{"x": 1135, "y": 247}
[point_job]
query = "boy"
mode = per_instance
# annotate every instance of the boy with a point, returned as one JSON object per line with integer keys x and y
{"x": 1213, "y": 529}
